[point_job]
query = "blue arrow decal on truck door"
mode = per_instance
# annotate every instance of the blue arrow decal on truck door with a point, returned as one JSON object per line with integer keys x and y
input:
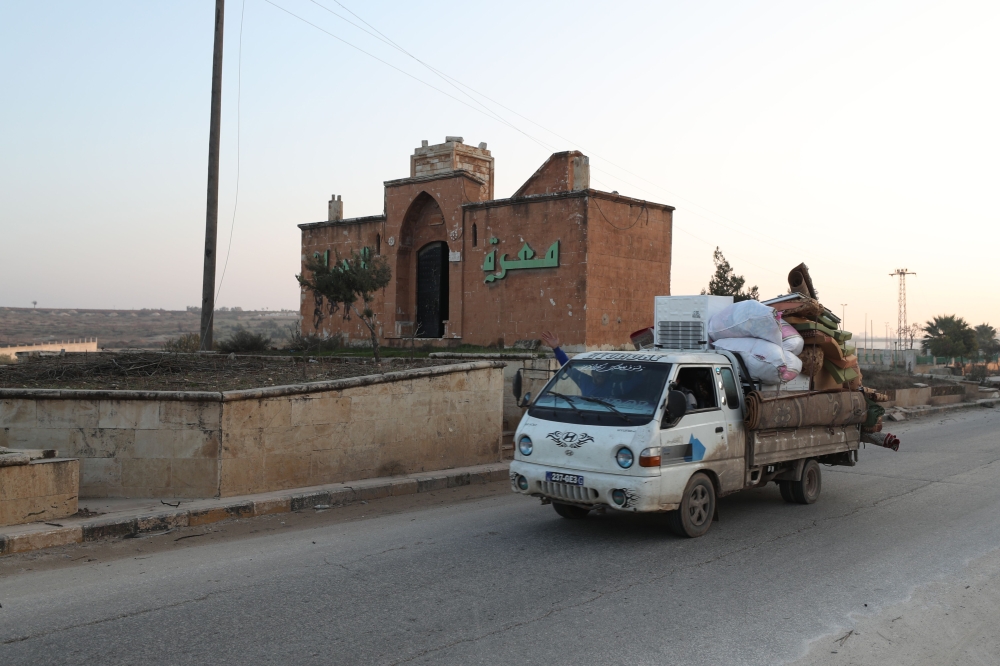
{"x": 697, "y": 450}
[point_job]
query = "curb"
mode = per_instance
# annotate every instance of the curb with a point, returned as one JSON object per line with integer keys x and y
{"x": 25, "y": 538}
{"x": 912, "y": 412}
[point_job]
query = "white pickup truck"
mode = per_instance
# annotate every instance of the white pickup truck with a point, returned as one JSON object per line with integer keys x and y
{"x": 661, "y": 431}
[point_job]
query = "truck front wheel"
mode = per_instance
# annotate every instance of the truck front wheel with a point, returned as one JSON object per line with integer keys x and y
{"x": 806, "y": 490}
{"x": 697, "y": 508}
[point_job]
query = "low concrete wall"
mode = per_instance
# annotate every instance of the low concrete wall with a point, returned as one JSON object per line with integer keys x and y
{"x": 39, "y": 491}
{"x": 912, "y": 397}
{"x": 952, "y": 399}
{"x": 87, "y": 345}
{"x": 421, "y": 420}
{"x": 205, "y": 444}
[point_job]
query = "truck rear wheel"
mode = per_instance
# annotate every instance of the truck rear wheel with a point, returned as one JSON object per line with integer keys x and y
{"x": 697, "y": 508}
{"x": 786, "y": 491}
{"x": 806, "y": 490}
{"x": 569, "y": 511}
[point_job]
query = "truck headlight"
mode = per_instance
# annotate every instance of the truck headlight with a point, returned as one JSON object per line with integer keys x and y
{"x": 650, "y": 457}
{"x": 524, "y": 445}
{"x": 624, "y": 457}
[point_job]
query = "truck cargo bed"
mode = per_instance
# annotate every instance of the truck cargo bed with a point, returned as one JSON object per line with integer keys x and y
{"x": 767, "y": 447}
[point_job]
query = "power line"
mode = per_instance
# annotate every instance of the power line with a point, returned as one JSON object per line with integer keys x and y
{"x": 495, "y": 116}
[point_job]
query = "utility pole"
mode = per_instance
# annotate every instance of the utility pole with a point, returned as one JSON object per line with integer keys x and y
{"x": 901, "y": 324}
{"x": 843, "y": 316}
{"x": 212, "y": 213}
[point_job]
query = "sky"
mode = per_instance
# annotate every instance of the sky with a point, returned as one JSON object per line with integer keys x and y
{"x": 857, "y": 137}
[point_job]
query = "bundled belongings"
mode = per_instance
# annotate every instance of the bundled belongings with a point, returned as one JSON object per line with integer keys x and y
{"x": 803, "y": 410}
{"x": 828, "y": 358}
{"x": 755, "y": 332}
{"x": 766, "y": 362}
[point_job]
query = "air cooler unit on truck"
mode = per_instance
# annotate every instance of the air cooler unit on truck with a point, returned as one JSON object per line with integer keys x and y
{"x": 682, "y": 321}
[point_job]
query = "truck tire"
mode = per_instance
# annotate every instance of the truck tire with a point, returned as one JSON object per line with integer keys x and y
{"x": 569, "y": 511}
{"x": 806, "y": 490}
{"x": 786, "y": 491}
{"x": 697, "y": 508}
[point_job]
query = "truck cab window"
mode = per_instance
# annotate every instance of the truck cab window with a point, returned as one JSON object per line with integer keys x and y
{"x": 698, "y": 385}
{"x": 729, "y": 386}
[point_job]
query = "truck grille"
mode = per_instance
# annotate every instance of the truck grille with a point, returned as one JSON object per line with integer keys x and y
{"x": 680, "y": 335}
{"x": 567, "y": 492}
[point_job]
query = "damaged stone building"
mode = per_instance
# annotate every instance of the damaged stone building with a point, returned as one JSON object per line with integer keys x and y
{"x": 471, "y": 269}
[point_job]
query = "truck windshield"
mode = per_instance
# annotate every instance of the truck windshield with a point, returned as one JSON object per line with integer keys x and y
{"x": 596, "y": 390}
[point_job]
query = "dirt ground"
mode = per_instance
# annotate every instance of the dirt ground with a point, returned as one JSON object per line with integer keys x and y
{"x": 156, "y": 371}
{"x": 884, "y": 381}
{"x": 117, "y": 329}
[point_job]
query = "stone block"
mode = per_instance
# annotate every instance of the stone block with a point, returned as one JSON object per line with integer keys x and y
{"x": 100, "y": 443}
{"x": 285, "y": 471}
{"x": 369, "y": 408}
{"x": 176, "y": 444}
{"x": 17, "y": 412}
{"x": 132, "y": 414}
{"x": 242, "y": 476}
{"x": 41, "y": 438}
{"x": 174, "y": 414}
{"x": 326, "y": 467}
{"x": 195, "y": 477}
{"x": 107, "y": 471}
{"x": 66, "y": 413}
{"x": 302, "y": 440}
{"x": 243, "y": 443}
{"x": 150, "y": 474}
{"x": 320, "y": 410}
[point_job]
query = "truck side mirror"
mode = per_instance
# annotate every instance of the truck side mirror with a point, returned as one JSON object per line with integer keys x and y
{"x": 526, "y": 400}
{"x": 516, "y": 386}
{"x": 677, "y": 405}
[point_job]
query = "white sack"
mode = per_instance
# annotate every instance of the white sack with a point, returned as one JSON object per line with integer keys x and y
{"x": 791, "y": 341}
{"x": 766, "y": 362}
{"x": 746, "y": 319}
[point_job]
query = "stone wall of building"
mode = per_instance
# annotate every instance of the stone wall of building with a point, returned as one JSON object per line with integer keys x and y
{"x": 613, "y": 255}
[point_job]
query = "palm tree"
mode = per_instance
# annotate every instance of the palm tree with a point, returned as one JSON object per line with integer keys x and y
{"x": 986, "y": 340}
{"x": 950, "y": 336}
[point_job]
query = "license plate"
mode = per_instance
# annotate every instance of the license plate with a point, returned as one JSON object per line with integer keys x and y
{"x": 559, "y": 477}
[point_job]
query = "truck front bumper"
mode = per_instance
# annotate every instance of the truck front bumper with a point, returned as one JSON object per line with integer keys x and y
{"x": 637, "y": 493}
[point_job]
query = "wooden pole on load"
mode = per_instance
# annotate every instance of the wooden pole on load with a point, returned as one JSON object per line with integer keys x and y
{"x": 212, "y": 213}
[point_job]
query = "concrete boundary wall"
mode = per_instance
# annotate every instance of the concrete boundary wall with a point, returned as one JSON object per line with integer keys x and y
{"x": 211, "y": 444}
{"x": 75, "y": 346}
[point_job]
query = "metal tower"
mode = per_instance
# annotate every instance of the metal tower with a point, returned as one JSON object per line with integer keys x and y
{"x": 901, "y": 324}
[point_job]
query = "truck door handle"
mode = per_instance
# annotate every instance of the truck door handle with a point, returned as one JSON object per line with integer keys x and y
{"x": 719, "y": 429}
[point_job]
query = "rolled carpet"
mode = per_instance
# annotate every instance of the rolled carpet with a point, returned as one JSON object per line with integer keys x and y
{"x": 803, "y": 410}
{"x": 884, "y": 439}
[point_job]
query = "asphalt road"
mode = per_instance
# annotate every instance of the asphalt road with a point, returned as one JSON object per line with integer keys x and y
{"x": 495, "y": 578}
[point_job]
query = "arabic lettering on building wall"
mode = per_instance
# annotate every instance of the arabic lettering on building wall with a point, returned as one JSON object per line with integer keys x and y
{"x": 525, "y": 260}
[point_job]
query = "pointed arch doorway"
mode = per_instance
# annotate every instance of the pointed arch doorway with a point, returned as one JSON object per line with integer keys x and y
{"x": 432, "y": 290}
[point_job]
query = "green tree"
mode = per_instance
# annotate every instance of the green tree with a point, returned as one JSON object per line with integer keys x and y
{"x": 948, "y": 335}
{"x": 344, "y": 282}
{"x": 725, "y": 282}
{"x": 986, "y": 340}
